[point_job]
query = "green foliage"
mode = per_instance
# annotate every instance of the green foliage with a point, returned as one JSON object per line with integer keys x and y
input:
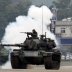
{"x": 13, "y": 10}
{"x": 3, "y": 20}
{"x": 62, "y": 3}
{"x": 3, "y": 55}
{"x": 3, "y": 4}
{"x": 70, "y": 11}
{"x": 63, "y": 7}
{"x": 9, "y": 11}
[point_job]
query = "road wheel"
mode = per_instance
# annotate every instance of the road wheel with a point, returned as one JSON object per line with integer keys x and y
{"x": 47, "y": 63}
{"x": 15, "y": 61}
{"x": 56, "y": 65}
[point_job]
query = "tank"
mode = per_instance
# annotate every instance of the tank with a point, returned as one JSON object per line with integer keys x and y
{"x": 37, "y": 51}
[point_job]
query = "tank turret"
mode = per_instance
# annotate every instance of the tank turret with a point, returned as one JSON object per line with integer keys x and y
{"x": 35, "y": 50}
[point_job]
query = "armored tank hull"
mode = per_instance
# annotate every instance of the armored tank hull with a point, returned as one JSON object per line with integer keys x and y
{"x": 51, "y": 59}
{"x": 37, "y": 51}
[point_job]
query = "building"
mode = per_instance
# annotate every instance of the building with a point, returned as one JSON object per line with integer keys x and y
{"x": 63, "y": 32}
{"x": 63, "y": 29}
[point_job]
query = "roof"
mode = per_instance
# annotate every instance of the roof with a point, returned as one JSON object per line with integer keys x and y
{"x": 64, "y": 23}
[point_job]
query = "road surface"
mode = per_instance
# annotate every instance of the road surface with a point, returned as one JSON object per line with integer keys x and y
{"x": 37, "y": 69}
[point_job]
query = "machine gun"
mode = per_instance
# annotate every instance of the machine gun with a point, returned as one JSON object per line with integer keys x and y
{"x": 28, "y": 33}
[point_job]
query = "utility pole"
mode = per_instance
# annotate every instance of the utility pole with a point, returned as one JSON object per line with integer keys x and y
{"x": 53, "y": 20}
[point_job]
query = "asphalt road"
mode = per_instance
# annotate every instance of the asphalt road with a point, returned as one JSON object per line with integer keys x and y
{"x": 65, "y": 67}
{"x": 37, "y": 69}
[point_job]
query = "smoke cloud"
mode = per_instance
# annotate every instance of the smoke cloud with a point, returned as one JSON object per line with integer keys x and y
{"x": 25, "y": 24}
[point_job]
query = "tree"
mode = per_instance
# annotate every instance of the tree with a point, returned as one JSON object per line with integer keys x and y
{"x": 3, "y": 55}
{"x": 9, "y": 11}
{"x": 62, "y": 3}
{"x": 63, "y": 7}
{"x": 3, "y": 20}
{"x": 13, "y": 10}
{"x": 70, "y": 11}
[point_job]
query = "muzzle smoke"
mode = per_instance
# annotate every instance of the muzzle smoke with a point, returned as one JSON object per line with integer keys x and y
{"x": 25, "y": 24}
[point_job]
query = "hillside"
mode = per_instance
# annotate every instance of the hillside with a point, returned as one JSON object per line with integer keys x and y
{"x": 37, "y": 2}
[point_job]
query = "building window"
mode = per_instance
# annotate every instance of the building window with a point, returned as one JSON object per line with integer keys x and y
{"x": 62, "y": 30}
{"x": 71, "y": 29}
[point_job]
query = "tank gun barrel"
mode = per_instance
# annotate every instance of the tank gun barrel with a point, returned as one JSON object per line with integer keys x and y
{"x": 15, "y": 45}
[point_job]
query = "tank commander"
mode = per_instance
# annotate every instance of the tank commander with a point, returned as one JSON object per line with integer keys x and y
{"x": 34, "y": 33}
